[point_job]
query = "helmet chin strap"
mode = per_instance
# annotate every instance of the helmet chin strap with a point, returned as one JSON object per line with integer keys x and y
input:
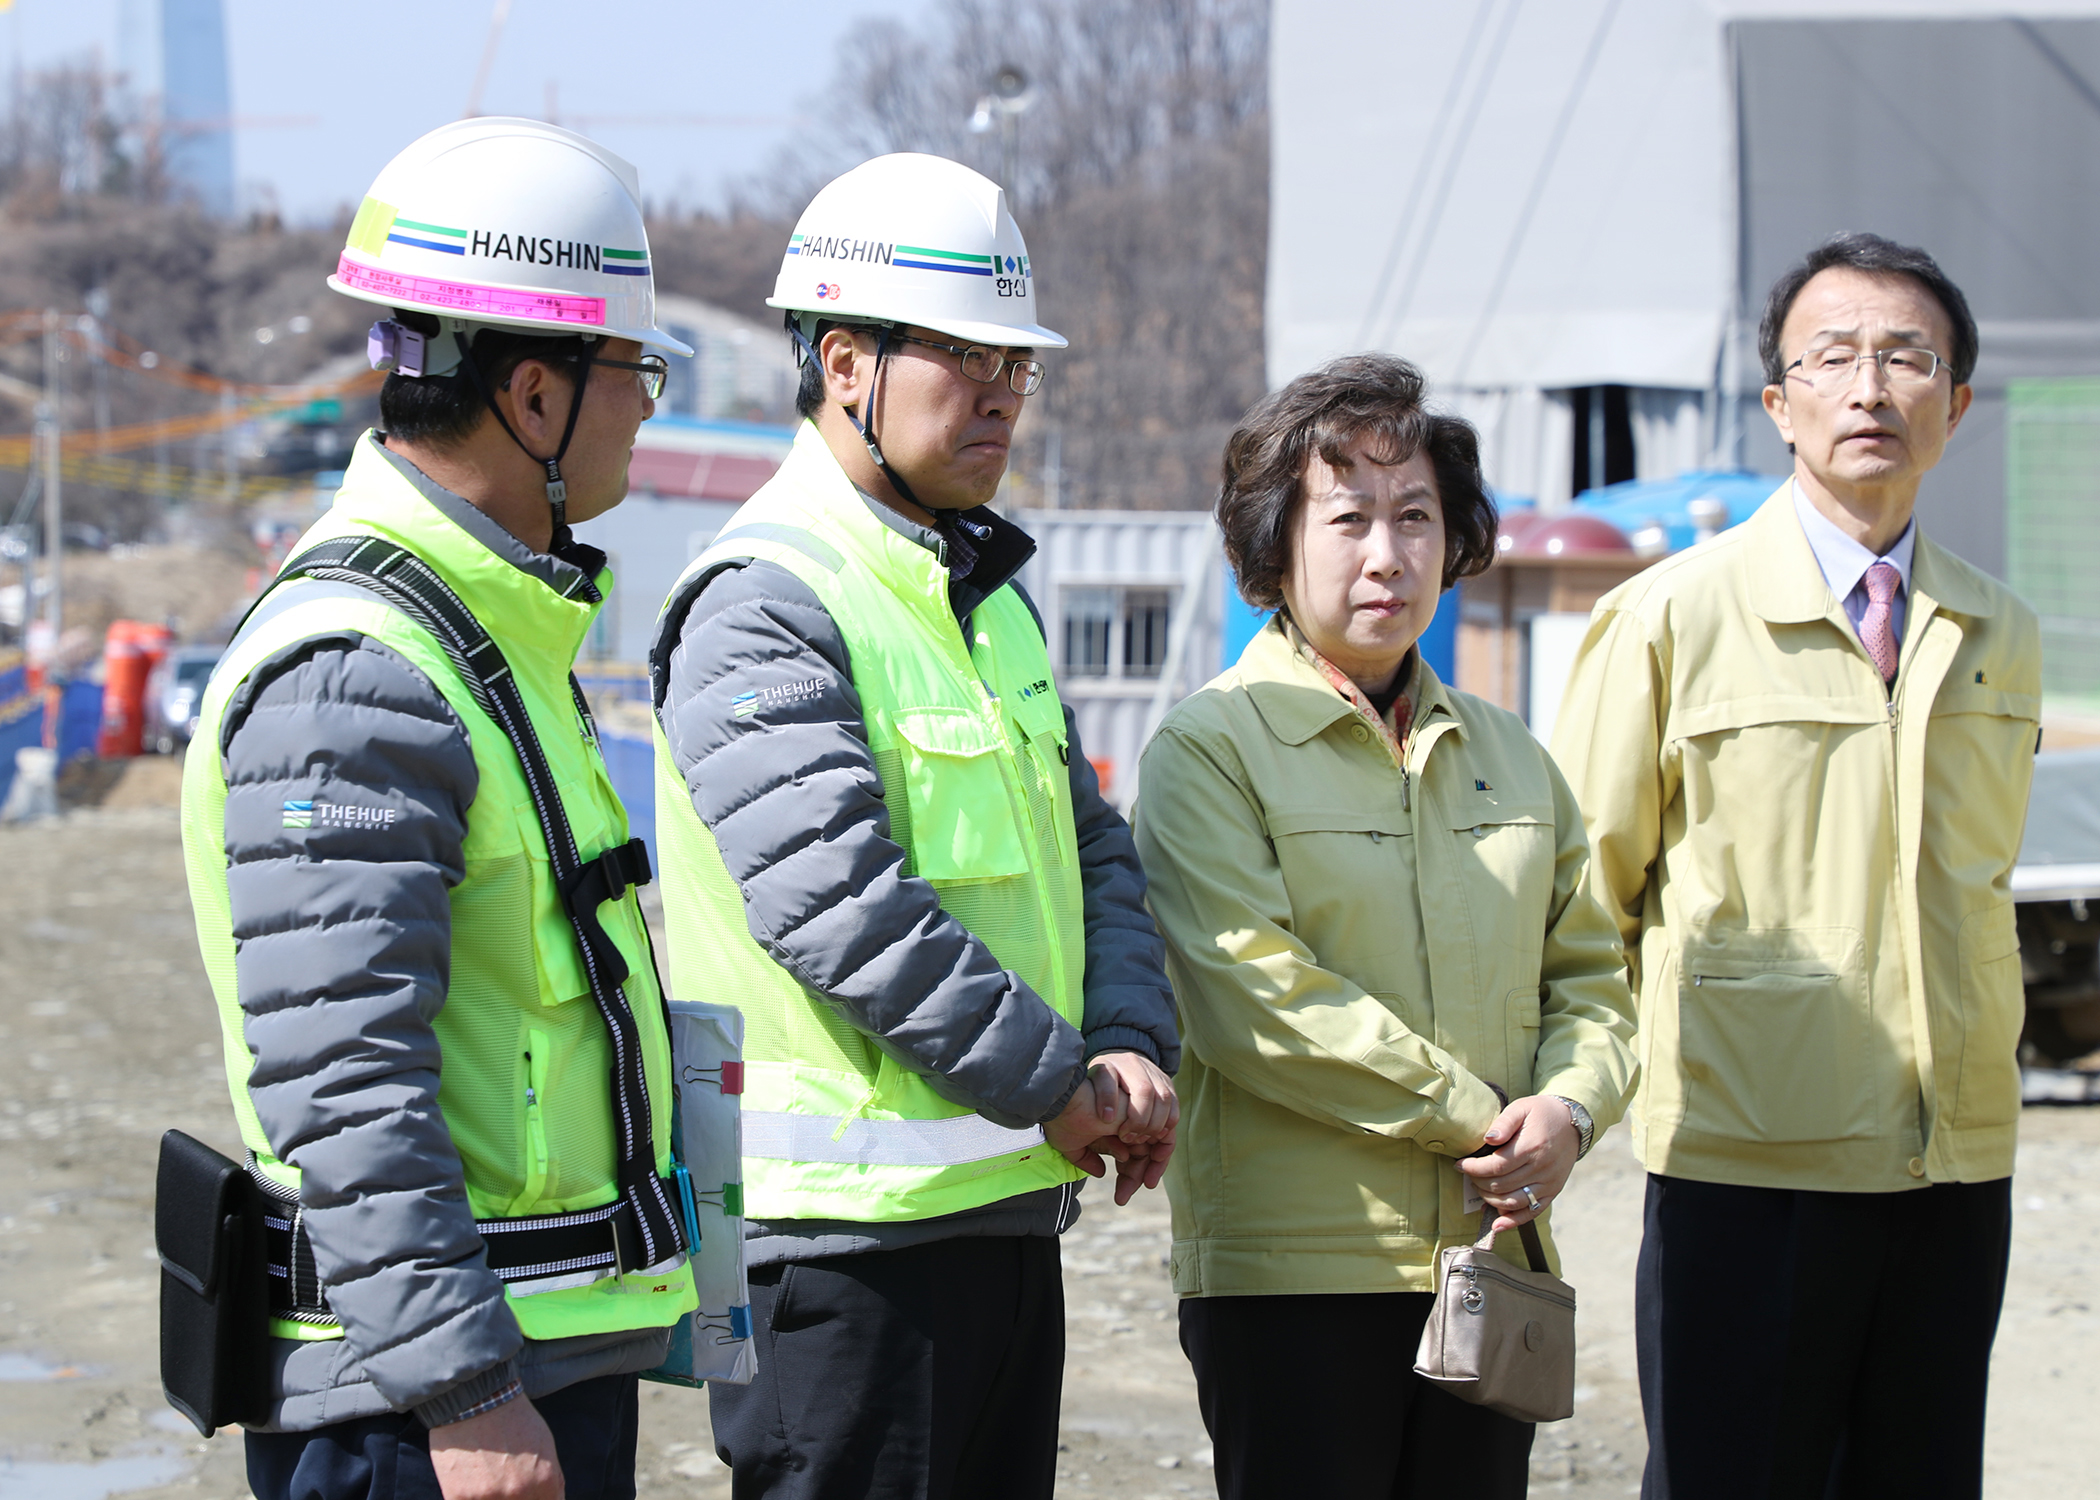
{"x": 557, "y": 487}
{"x": 867, "y": 429}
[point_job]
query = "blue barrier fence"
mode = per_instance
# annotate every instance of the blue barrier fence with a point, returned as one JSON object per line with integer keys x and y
{"x": 79, "y": 721}
{"x": 21, "y": 716}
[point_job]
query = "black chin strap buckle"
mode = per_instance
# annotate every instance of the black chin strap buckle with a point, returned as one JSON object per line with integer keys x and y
{"x": 558, "y": 495}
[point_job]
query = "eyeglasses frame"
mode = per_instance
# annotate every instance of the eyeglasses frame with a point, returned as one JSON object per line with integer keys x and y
{"x": 648, "y": 365}
{"x": 1880, "y": 357}
{"x": 1007, "y": 365}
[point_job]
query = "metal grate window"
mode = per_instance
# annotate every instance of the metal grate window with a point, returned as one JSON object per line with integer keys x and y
{"x": 1144, "y": 632}
{"x": 1116, "y": 631}
{"x": 2053, "y": 524}
{"x": 1090, "y": 614}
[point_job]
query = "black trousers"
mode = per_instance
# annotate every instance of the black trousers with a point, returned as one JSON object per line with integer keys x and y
{"x": 388, "y": 1458}
{"x": 1317, "y": 1395}
{"x": 932, "y": 1373}
{"x": 1818, "y": 1346}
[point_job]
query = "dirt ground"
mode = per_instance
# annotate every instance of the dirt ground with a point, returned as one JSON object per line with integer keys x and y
{"x": 107, "y": 1038}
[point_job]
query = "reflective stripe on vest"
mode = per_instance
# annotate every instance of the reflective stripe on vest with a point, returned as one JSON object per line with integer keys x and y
{"x": 968, "y": 740}
{"x": 779, "y": 1136}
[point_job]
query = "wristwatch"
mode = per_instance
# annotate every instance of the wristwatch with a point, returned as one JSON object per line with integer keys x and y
{"x": 1585, "y": 1127}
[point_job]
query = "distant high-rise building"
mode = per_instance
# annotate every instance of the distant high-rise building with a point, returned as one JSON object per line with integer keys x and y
{"x": 190, "y": 75}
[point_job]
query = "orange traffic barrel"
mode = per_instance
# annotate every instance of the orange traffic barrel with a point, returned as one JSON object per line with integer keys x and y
{"x": 129, "y": 654}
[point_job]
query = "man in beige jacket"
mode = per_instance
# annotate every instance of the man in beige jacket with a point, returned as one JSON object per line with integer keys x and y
{"x": 1803, "y": 753}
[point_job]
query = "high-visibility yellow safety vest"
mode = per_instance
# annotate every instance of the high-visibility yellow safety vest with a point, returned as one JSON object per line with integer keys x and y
{"x": 526, "y": 1051}
{"x": 969, "y": 740}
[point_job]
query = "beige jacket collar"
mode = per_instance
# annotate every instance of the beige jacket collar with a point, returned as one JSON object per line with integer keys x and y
{"x": 1785, "y": 582}
{"x": 1297, "y": 703}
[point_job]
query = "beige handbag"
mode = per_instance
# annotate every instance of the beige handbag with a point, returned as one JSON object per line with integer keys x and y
{"x": 1500, "y": 1337}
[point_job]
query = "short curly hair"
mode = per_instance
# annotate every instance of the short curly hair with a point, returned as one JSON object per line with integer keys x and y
{"x": 1324, "y": 411}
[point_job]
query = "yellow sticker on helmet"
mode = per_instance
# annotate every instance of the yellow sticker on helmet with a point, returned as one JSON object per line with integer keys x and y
{"x": 368, "y": 231}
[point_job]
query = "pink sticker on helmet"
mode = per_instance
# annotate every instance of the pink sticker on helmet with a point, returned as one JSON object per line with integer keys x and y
{"x": 468, "y": 298}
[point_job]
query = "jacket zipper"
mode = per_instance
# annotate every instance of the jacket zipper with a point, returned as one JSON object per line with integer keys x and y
{"x": 1473, "y": 1271}
{"x": 1699, "y": 979}
{"x": 539, "y": 1045}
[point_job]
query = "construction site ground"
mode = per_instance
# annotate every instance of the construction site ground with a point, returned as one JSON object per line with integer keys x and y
{"x": 107, "y": 1038}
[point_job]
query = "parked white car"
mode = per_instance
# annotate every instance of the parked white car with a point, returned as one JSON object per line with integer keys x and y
{"x": 173, "y": 694}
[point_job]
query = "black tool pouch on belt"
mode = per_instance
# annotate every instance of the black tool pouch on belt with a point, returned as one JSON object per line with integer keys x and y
{"x": 214, "y": 1286}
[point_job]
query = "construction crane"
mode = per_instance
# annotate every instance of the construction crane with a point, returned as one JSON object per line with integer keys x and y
{"x": 488, "y": 59}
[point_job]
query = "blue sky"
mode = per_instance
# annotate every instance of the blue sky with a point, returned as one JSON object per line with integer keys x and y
{"x": 375, "y": 74}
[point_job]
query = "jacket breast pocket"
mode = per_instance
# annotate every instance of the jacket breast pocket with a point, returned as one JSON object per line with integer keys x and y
{"x": 1979, "y": 744}
{"x": 1773, "y": 1032}
{"x": 1505, "y": 855}
{"x": 550, "y": 938}
{"x": 955, "y": 784}
{"x": 1993, "y": 1008}
{"x": 1351, "y": 885}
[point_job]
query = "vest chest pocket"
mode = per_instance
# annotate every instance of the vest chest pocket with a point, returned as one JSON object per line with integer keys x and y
{"x": 1045, "y": 775}
{"x": 959, "y": 796}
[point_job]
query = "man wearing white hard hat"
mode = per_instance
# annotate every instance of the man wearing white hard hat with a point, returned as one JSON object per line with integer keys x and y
{"x": 414, "y": 885}
{"x": 882, "y": 839}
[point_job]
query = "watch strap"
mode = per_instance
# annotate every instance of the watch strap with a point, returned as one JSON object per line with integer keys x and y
{"x": 1585, "y": 1126}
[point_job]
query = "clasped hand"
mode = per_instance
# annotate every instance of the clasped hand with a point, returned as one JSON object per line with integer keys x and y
{"x": 1125, "y": 1109}
{"x": 1536, "y": 1146}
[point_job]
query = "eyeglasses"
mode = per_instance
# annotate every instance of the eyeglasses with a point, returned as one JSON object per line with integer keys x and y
{"x": 1834, "y": 368}
{"x": 653, "y": 368}
{"x": 1024, "y": 377}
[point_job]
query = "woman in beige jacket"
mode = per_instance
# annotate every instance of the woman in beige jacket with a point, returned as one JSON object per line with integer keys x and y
{"x": 1394, "y": 1002}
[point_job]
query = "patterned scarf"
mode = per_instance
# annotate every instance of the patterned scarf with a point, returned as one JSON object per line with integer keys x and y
{"x": 1395, "y": 723}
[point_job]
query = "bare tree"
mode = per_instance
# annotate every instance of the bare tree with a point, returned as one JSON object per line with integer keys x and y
{"x": 85, "y": 225}
{"x": 1142, "y": 186}
{"x": 73, "y": 132}
{"x": 1115, "y": 81}
{"x": 728, "y": 258}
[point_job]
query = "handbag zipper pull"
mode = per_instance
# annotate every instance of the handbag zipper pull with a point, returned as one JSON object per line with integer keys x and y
{"x": 1472, "y": 1299}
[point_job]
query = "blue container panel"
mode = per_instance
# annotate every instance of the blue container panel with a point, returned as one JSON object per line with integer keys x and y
{"x": 632, "y": 764}
{"x": 1439, "y": 642}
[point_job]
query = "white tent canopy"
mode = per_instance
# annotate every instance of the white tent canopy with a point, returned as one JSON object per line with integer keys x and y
{"x": 1527, "y": 198}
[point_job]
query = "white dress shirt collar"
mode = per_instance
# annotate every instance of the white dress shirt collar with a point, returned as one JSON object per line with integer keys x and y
{"x": 1843, "y": 560}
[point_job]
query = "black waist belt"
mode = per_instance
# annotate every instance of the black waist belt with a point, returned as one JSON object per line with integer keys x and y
{"x": 591, "y": 1241}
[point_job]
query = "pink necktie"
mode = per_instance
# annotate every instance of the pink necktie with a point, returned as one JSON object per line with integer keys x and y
{"x": 1875, "y": 627}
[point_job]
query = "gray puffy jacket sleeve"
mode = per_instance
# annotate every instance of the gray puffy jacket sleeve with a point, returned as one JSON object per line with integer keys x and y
{"x": 342, "y": 963}
{"x": 794, "y": 801}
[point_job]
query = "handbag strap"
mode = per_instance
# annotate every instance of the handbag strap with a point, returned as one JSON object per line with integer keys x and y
{"x": 410, "y": 585}
{"x": 1528, "y": 1232}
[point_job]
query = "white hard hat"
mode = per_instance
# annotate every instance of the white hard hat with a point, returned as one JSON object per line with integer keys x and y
{"x": 507, "y": 223}
{"x": 914, "y": 239}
